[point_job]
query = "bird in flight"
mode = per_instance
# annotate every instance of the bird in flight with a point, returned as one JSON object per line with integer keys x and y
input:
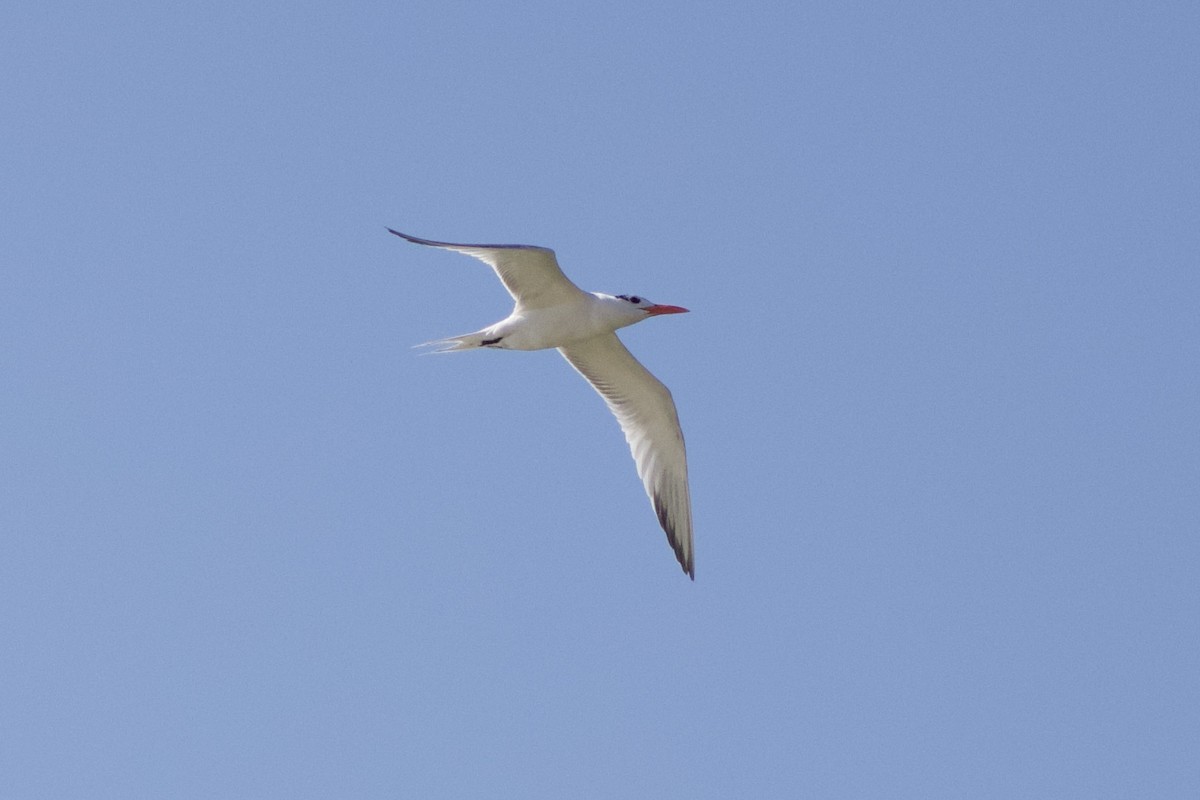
{"x": 551, "y": 311}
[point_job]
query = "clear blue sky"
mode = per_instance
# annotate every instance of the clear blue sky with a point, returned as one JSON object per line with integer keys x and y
{"x": 940, "y": 386}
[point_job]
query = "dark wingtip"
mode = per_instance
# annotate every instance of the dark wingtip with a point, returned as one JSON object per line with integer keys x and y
{"x": 415, "y": 239}
{"x": 668, "y": 526}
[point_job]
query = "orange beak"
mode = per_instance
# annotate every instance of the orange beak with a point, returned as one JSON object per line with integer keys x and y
{"x": 654, "y": 311}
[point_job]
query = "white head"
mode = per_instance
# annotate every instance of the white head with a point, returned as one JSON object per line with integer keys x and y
{"x": 631, "y": 308}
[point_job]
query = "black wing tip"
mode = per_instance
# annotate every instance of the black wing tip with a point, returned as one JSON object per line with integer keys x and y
{"x": 688, "y": 566}
{"x": 434, "y": 243}
{"x": 686, "y": 561}
{"x": 430, "y": 242}
{"x": 413, "y": 239}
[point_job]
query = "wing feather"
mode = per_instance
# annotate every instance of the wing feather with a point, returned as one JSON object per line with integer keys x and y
{"x": 530, "y": 274}
{"x": 644, "y": 408}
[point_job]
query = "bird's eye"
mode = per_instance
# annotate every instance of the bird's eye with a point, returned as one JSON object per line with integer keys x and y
{"x": 635, "y": 300}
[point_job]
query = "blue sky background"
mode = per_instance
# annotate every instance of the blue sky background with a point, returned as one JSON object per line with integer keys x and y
{"x": 940, "y": 390}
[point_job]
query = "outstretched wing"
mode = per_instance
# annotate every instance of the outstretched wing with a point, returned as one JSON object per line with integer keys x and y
{"x": 643, "y": 406}
{"x": 531, "y": 274}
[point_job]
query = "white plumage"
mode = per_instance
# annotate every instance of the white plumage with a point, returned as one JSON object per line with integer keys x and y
{"x": 550, "y": 311}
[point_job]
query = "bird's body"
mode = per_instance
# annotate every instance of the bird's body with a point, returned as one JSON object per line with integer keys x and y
{"x": 551, "y": 312}
{"x": 579, "y": 318}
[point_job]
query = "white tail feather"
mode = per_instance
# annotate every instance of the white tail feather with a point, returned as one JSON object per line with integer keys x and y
{"x": 467, "y": 341}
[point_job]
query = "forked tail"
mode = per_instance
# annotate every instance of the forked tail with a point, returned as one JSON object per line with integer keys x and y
{"x": 467, "y": 341}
